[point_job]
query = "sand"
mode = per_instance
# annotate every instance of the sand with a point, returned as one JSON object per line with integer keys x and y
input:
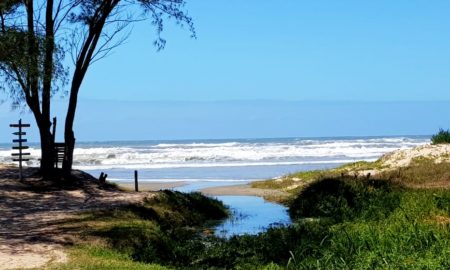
{"x": 402, "y": 158}
{"x": 29, "y": 232}
{"x": 236, "y": 190}
{"x": 243, "y": 190}
{"x": 151, "y": 186}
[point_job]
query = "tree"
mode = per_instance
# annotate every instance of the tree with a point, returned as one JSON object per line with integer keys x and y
{"x": 35, "y": 34}
{"x": 30, "y": 63}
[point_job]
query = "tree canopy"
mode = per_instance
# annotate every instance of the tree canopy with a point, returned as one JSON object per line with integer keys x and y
{"x": 36, "y": 37}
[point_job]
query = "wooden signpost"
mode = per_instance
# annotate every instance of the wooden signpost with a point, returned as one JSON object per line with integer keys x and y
{"x": 19, "y": 157}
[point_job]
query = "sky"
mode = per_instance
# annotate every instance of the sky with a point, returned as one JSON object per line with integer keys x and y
{"x": 290, "y": 68}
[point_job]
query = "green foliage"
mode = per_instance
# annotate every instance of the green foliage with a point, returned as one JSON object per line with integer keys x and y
{"x": 299, "y": 179}
{"x": 16, "y": 58}
{"x": 9, "y": 6}
{"x": 340, "y": 223}
{"x": 191, "y": 209}
{"x": 345, "y": 199}
{"x": 287, "y": 181}
{"x": 13, "y": 47}
{"x": 443, "y": 136}
{"x": 360, "y": 166}
{"x": 87, "y": 257}
{"x": 164, "y": 229}
{"x": 278, "y": 184}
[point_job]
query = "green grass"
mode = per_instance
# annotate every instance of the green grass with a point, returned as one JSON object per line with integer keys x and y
{"x": 293, "y": 183}
{"x": 288, "y": 181}
{"x": 352, "y": 224}
{"x": 88, "y": 257}
{"x": 340, "y": 222}
{"x": 361, "y": 166}
{"x": 443, "y": 136}
{"x": 345, "y": 198}
{"x": 140, "y": 236}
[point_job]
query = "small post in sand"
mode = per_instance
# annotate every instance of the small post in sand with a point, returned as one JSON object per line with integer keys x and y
{"x": 136, "y": 185}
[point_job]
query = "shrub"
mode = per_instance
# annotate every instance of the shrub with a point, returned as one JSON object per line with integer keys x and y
{"x": 443, "y": 136}
{"x": 339, "y": 199}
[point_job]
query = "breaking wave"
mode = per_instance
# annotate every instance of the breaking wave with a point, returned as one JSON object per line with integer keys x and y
{"x": 238, "y": 153}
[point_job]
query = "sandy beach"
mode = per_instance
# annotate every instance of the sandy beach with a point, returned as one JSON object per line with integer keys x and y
{"x": 32, "y": 210}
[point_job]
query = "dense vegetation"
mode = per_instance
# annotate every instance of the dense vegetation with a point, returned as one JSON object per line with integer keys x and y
{"x": 340, "y": 222}
{"x": 124, "y": 238}
{"x": 443, "y": 136}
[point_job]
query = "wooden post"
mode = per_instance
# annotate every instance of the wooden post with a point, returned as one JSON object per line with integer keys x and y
{"x": 136, "y": 185}
{"x": 20, "y": 150}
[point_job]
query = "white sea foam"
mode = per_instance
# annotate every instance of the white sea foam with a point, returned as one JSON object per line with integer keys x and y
{"x": 214, "y": 165}
{"x": 228, "y": 154}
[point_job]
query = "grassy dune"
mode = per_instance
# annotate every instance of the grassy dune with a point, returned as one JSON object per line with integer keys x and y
{"x": 294, "y": 183}
{"x": 347, "y": 223}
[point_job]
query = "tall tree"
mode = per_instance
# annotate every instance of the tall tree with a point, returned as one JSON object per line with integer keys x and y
{"x": 35, "y": 34}
{"x": 31, "y": 64}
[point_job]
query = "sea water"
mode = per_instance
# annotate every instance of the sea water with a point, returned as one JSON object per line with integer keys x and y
{"x": 223, "y": 160}
{"x": 209, "y": 163}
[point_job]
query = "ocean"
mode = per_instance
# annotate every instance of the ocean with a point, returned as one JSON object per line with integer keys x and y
{"x": 207, "y": 163}
{"x": 230, "y": 161}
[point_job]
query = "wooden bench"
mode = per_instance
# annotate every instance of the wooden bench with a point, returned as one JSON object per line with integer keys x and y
{"x": 60, "y": 152}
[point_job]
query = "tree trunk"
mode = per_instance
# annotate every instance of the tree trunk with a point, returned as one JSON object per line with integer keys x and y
{"x": 47, "y": 148}
{"x": 47, "y": 154}
{"x": 84, "y": 60}
{"x": 69, "y": 135}
{"x": 69, "y": 139}
{"x": 47, "y": 138}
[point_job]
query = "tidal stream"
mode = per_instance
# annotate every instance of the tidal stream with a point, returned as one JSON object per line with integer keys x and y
{"x": 249, "y": 214}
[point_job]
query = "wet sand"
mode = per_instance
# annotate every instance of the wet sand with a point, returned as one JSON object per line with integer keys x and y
{"x": 231, "y": 190}
{"x": 151, "y": 186}
{"x": 243, "y": 190}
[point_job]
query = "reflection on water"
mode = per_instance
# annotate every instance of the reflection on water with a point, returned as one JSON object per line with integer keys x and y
{"x": 251, "y": 215}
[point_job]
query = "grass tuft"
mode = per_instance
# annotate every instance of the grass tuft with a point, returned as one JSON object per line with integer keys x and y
{"x": 443, "y": 136}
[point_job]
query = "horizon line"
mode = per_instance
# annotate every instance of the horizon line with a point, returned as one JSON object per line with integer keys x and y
{"x": 341, "y": 137}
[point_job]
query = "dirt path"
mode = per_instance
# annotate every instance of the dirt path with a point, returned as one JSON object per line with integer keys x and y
{"x": 30, "y": 212}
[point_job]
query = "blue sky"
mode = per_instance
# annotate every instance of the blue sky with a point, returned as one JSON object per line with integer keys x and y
{"x": 313, "y": 50}
{"x": 257, "y": 65}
